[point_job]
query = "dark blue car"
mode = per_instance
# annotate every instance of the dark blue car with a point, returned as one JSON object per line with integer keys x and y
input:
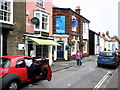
{"x": 108, "y": 58}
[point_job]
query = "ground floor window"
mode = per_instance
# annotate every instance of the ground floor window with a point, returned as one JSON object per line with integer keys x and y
{"x": 42, "y": 51}
{"x": 30, "y": 46}
{"x": 85, "y": 47}
{"x": 77, "y": 46}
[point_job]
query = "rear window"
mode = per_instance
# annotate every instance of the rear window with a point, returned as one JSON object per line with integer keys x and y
{"x": 109, "y": 54}
{"x": 4, "y": 63}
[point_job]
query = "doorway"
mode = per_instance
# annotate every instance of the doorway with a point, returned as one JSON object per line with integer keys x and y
{"x": 60, "y": 50}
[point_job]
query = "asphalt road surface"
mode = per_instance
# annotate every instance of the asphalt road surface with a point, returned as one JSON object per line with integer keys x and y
{"x": 88, "y": 76}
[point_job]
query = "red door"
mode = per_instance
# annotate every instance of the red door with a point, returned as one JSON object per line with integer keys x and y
{"x": 20, "y": 70}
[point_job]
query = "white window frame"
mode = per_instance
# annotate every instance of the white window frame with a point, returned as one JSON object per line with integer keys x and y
{"x": 11, "y": 12}
{"x": 40, "y": 21}
{"x": 39, "y": 2}
{"x": 35, "y": 29}
{"x": 46, "y": 30}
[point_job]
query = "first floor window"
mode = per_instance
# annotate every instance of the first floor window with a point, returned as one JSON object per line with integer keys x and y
{"x": 5, "y": 11}
{"x": 44, "y": 21}
{"x": 37, "y": 26}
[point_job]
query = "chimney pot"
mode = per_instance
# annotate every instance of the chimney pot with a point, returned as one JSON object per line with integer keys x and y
{"x": 77, "y": 9}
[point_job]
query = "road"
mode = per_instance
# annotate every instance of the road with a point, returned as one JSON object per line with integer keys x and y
{"x": 88, "y": 76}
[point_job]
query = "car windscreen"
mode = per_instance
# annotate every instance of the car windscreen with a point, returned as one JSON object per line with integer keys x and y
{"x": 108, "y": 54}
{"x": 4, "y": 63}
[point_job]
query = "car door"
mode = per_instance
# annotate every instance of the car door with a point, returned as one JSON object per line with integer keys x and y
{"x": 21, "y": 70}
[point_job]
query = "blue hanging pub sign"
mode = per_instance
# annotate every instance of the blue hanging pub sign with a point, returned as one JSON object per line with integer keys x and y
{"x": 60, "y": 24}
{"x": 75, "y": 23}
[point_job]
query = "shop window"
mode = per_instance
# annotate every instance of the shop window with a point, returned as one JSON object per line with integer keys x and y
{"x": 77, "y": 45}
{"x": 42, "y": 51}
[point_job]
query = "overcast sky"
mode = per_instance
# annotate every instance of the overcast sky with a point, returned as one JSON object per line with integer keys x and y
{"x": 102, "y": 14}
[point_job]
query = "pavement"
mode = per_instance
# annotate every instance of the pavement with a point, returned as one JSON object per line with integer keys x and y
{"x": 60, "y": 65}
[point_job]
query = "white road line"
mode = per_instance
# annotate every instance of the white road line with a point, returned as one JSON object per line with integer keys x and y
{"x": 102, "y": 81}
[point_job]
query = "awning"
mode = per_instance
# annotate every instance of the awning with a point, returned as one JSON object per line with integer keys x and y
{"x": 44, "y": 41}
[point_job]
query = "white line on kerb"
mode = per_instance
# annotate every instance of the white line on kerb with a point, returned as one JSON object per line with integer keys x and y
{"x": 102, "y": 81}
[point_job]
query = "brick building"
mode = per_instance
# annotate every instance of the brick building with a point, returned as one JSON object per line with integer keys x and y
{"x": 26, "y": 25}
{"x": 12, "y": 27}
{"x": 67, "y": 31}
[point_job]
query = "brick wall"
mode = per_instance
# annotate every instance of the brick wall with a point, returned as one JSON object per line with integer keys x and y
{"x": 69, "y": 31}
{"x": 15, "y": 37}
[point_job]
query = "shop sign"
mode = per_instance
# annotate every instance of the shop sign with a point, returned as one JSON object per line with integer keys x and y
{"x": 35, "y": 20}
{"x": 21, "y": 46}
{"x": 75, "y": 23}
{"x": 45, "y": 34}
{"x": 53, "y": 48}
{"x": 60, "y": 24}
{"x": 67, "y": 47}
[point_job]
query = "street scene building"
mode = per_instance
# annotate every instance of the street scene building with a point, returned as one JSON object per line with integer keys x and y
{"x": 52, "y": 32}
{"x": 6, "y": 25}
{"x": 40, "y": 40}
{"x": 70, "y": 29}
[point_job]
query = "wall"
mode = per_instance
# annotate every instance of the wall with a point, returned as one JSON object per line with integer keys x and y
{"x": 71, "y": 34}
{"x": 15, "y": 37}
{"x": 48, "y": 8}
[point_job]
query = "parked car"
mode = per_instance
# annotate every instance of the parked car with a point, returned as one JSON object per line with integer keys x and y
{"x": 119, "y": 56}
{"x": 17, "y": 69}
{"x": 108, "y": 58}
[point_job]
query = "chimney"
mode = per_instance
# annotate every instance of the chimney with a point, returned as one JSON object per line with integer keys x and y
{"x": 77, "y": 9}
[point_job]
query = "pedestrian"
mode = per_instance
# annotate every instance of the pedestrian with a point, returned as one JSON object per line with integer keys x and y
{"x": 32, "y": 53}
{"x": 78, "y": 57}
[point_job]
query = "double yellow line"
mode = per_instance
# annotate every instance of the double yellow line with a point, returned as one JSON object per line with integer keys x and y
{"x": 102, "y": 81}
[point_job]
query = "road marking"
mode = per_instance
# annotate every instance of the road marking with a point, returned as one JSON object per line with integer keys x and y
{"x": 102, "y": 81}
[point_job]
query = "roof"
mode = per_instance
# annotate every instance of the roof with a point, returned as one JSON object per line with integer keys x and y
{"x": 12, "y": 56}
{"x": 71, "y": 11}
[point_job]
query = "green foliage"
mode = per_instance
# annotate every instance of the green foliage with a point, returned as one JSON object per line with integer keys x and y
{"x": 72, "y": 43}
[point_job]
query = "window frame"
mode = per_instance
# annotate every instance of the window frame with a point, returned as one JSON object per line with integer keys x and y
{"x": 40, "y": 24}
{"x": 20, "y": 60}
{"x": 8, "y": 11}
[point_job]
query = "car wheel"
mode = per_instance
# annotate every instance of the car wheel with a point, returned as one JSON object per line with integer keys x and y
{"x": 116, "y": 65}
{"x": 98, "y": 65}
{"x": 13, "y": 85}
{"x": 44, "y": 74}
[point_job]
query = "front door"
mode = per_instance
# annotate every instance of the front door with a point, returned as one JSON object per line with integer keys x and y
{"x": 60, "y": 50}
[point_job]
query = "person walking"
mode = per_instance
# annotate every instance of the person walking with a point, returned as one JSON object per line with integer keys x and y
{"x": 78, "y": 57}
{"x": 32, "y": 53}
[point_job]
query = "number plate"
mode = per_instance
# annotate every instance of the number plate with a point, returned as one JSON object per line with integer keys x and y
{"x": 105, "y": 59}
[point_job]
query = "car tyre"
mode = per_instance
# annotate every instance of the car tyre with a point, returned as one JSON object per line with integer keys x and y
{"x": 98, "y": 65}
{"x": 13, "y": 85}
{"x": 116, "y": 65}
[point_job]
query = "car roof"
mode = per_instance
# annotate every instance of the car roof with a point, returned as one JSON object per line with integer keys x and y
{"x": 13, "y": 56}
